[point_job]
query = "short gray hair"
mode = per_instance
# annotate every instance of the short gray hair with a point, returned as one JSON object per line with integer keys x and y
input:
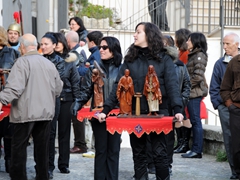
{"x": 236, "y": 38}
{"x": 26, "y": 43}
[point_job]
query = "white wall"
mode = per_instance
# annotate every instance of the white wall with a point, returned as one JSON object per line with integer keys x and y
{"x": 1, "y": 22}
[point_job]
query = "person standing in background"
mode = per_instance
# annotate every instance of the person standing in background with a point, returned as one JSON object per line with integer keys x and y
{"x": 183, "y": 133}
{"x": 29, "y": 111}
{"x": 157, "y": 11}
{"x": 13, "y": 33}
{"x": 7, "y": 58}
{"x": 184, "y": 88}
{"x": 197, "y": 62}
{"x": 181, "y": 38}
{"x": 230, "y": 45}
{"x": 76, "y": 24}
{"x": 80, "y": 145}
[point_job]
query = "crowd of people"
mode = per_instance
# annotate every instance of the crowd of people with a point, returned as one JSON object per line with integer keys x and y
{"x": 49, "y": 84}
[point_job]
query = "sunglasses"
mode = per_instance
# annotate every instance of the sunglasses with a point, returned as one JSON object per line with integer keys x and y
{"x": 103, "y": 47}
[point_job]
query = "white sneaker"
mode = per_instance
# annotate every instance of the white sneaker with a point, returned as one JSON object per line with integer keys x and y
{"x": 89, "y": 154}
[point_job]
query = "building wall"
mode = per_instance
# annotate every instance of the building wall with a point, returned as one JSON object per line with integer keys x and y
{"x": 9, "y": 7}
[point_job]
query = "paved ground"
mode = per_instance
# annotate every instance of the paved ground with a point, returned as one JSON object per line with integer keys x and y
{"x": 183, "y": 169}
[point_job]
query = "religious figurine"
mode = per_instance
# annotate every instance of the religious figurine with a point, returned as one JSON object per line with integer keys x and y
{"x": 125, "y": 92}
{"x": 152, "y": 91}
{"x": 98, "y": 89}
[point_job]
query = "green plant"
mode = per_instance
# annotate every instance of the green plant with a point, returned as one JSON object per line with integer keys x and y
{"x": 84, "y": 3}
{"x": 221, "y": 156}
{"x": 70, "y": 1}
{"x": 97, "y": 12}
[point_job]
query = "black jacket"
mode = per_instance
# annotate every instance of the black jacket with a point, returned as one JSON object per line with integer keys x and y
{"x": 7, "y": 58}
{"x": 166, "y": 75}
{"x": 182, "y": 74}
{"x": 69, "y": 75}
{"x": 86, "y": 89}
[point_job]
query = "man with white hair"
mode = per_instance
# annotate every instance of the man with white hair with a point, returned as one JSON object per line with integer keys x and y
{"x": 32, "y": 88}
{"x": 230, "y": 45}
{"x": 80, "y": 145}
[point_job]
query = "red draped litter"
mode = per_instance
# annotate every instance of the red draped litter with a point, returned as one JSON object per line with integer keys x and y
{"x": 6, "y": 111}
{"x": 86, "y": 113}
{"x": 138, "y": 126}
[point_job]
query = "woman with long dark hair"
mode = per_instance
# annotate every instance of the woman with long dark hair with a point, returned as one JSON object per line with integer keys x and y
{"x": 76, "y": 24}
{"x": 148, "y": 49}
{"x": 107, "y": 145}
{"x": 197, "y": 62}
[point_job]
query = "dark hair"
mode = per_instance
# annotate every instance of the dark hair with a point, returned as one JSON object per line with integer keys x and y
{"x": 154, "y": 39}
{"x": 169, "y": 39}
{"x": 114, "y": 47}
{"x": 181, "y": 37}
{"x": 199, "y": 41}
{"x": 95, "y": 36}
{"x": 50, "y": 36}
{"x": 79, "y": 22}
{"x": 62, "y": 39}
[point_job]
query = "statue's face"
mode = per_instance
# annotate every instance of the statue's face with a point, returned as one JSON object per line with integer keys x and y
{"x": 127, "y": 72}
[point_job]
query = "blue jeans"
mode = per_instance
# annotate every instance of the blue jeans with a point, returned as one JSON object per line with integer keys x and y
{"x": 197, "y": 130}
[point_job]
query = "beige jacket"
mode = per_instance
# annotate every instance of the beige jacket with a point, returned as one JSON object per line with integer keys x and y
{"x": 32, "y": 87}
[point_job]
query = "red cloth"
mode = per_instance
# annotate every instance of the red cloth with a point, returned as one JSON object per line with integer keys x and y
{"x": 183, "y": 56}
{"x": 86, "y": 113}
{"x": 138, "y": 126}
{"x": 6, "y": 112}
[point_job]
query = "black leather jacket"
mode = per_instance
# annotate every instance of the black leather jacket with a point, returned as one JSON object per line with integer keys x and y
{"x": 69, "y": 75}
{"x": 86, "y": 89}
{"x": 7, "y": 58}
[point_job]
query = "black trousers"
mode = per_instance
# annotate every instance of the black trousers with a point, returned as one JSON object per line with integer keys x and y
{"x": 107, "y": 146}
{"x": 79, "y": 133}
{"x": 40, "y": 133}
{"x": 64, "y": 129}
{"x": 159, "y": 151}
{"x": 6, "y": 132}
{"x": 53, "y": 135}
{"x": 234, "y": 117}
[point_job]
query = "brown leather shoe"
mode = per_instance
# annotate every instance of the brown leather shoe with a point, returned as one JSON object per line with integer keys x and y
{"x": 75, "y": 149}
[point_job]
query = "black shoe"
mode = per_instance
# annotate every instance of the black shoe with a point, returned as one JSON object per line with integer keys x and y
{"x": 64, "y": 170}
{"x": 50, "y": 175}
{"x": 234, "y": 176}
{"x": 191, "y": 154}
{"x": 182, "y": 149}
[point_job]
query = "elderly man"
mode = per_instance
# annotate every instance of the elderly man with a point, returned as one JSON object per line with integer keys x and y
{"x": 229, "y": 92}
{"x": 80, "y": 145}
{"x": 230, "y": 45}
{"x": 32, "y": 87}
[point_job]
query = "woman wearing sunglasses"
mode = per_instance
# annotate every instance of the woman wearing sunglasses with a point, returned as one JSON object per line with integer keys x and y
{"x": 107, "y": 146}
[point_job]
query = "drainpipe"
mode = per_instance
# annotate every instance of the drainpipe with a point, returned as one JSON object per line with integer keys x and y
{"x": 51, "y": 15}
{"x": 55, "y": 15}
{"x": 221, "y": 25}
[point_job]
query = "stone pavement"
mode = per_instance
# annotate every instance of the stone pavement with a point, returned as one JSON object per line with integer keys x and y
{"x": 81, "y": 168}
